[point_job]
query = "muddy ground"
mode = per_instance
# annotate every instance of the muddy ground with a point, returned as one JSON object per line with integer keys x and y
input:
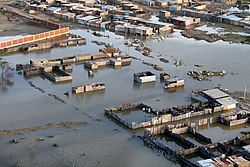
{"x": 202, "y": 35}
{"x": 16, "y": 26}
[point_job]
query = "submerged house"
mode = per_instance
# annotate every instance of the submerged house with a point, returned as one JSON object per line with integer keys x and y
{"x": 145, "y": 76}
{"x": 218, "y": 96}
{"x": 174, "y": 82}
{"x": 143, "y": 31}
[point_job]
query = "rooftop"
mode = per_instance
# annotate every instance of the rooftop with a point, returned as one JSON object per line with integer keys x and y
{"x": 215, "y": 93}
{"x": 184, "y": 18}
{"x": 232, "y": 18}
{"x": 226, "y": 101}
{"x": 247, "y": 148}
{"x": 143, "y": 28}
{"x": 87, "y": 18}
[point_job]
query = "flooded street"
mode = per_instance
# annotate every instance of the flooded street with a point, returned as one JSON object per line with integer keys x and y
{"x": 102, "y": 141}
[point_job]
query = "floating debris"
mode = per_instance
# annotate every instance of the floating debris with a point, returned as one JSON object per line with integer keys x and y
{"x": 55, "y": 145}
{"x": 164, "y": 76}
{"x": 15, "y": 141}
{"x": 139, "y": 48}
{"x": 157, "y": 67}
{"x": 164, "y": 60}
{"x": 128, "y": 44}
{"x": 146, "y": 53}
{"x": 198, "y": 65}
{"x": 90, "y": 73}
{"x": 136, "y": 41}
{"x": 99, "y": 43}
{"x": 109, "y": 45}
{"x": 66, "y": 93}
{"x": 96, "y": 33}
{"x": 204, "y": 75}
{"x": 40, "y": 139}
{"x": 178, "y": 62}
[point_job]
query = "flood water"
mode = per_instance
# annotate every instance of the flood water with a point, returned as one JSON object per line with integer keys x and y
{"x": 101, "y": 141}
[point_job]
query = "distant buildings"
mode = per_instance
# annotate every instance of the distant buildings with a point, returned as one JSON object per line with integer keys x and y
{"x": 185, "y": 21}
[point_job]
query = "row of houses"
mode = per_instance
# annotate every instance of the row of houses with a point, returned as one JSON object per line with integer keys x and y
{"x": 124, "y": 17}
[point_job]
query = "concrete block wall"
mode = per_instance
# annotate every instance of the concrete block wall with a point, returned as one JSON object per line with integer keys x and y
{"x": 238, "y": 122}
{"x": 78, "y": 89}
{"x": 83, "y": 57}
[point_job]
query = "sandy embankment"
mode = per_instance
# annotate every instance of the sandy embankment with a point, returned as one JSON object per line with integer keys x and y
{"x": 16, "y": 26}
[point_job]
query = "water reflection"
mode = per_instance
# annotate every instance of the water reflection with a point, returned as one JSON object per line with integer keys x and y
{"x": 87, "y": 95}
{"x": 174, "y": 90}
{"x": 137, "y": 85}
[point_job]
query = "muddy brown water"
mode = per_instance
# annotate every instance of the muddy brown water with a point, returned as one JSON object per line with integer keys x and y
{"x": 104, "y": 142}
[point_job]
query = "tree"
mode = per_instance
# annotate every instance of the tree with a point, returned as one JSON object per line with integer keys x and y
{"x": 6, "y": 75}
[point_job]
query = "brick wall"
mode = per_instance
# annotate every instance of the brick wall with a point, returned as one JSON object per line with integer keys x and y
{"x": 33, "y": 38}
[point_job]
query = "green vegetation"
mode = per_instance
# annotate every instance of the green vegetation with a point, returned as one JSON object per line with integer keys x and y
{"x": 2, "y": 53}
{"x": 248, "y": 39}
{"x": 245, "y": 132}
{"x": 236, "y": 38}
{"x": 39, "y": 139}
{"x": 3, "y": 12}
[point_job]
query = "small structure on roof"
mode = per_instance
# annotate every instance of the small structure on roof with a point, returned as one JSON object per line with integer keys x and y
{"x": 145, "y": 76}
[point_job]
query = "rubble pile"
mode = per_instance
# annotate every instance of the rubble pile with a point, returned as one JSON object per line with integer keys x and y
{"x": 204, "y": 75}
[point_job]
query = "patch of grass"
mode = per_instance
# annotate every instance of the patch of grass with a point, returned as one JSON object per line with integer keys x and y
{"x": 236, "y": 38}
{"x": 248, "y": 39}
{"x": 2, "y": 53}
{"x": 3, "y": 12}
{"x": 245, "y": 132}
{"x": 233, "y": 36}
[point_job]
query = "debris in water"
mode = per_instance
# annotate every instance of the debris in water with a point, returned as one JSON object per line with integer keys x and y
{"x": 14, "y": 141}
{"x": 204, "y": 75}
{"x": 40, "y": 139}
{"x": 55, "y": 145}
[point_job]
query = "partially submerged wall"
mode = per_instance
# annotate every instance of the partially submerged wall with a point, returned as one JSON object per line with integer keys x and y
{"x": 63, "y": 76}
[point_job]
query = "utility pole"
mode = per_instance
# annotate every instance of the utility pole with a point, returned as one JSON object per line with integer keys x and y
{"x": 245, "y": 91}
